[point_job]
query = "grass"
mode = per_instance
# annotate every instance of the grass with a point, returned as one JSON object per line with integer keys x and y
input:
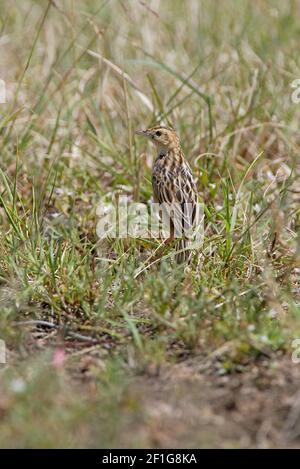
{"x": 80, "y": 78}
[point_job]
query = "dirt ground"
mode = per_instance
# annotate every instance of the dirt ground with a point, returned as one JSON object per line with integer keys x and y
{"x": 190, "y": 404}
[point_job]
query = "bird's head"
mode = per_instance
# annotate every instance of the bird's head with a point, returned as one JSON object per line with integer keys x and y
{"x": 163, "y": 137}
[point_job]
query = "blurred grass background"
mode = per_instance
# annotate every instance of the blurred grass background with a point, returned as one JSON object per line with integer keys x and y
{"x": 89, "y": 325}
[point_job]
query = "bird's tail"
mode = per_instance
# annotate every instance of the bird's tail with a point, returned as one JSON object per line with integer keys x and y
{"x": 183, "y": 251}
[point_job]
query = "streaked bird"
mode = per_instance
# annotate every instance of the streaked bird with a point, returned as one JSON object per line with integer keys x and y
{"x": 174, "y": 188}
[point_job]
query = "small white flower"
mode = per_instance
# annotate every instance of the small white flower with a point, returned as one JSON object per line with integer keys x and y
{"x": 18, "y": 385}
{"x": 264, "y": 339}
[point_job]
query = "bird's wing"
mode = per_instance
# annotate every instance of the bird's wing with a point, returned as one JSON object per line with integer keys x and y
{"x": 177, "y": 193}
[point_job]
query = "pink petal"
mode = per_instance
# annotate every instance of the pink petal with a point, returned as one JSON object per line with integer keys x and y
{"x": 58, "y": 358}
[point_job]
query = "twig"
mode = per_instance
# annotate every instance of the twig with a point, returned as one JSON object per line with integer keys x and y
{"x": 51, "y": 325}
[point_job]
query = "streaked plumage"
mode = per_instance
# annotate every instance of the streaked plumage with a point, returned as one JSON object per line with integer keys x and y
{"x": 173, "y": 185}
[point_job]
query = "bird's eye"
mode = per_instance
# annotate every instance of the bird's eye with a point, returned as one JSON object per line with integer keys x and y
{"x": 158, "y": 133}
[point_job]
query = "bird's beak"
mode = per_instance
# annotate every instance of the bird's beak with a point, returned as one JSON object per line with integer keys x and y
{"x": 144, "y": 133}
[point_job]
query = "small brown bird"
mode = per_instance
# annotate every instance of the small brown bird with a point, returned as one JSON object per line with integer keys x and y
{"x": 174, "y": 187}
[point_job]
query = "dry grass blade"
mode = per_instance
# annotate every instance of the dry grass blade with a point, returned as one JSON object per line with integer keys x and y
{"x": 124, "y": 75}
